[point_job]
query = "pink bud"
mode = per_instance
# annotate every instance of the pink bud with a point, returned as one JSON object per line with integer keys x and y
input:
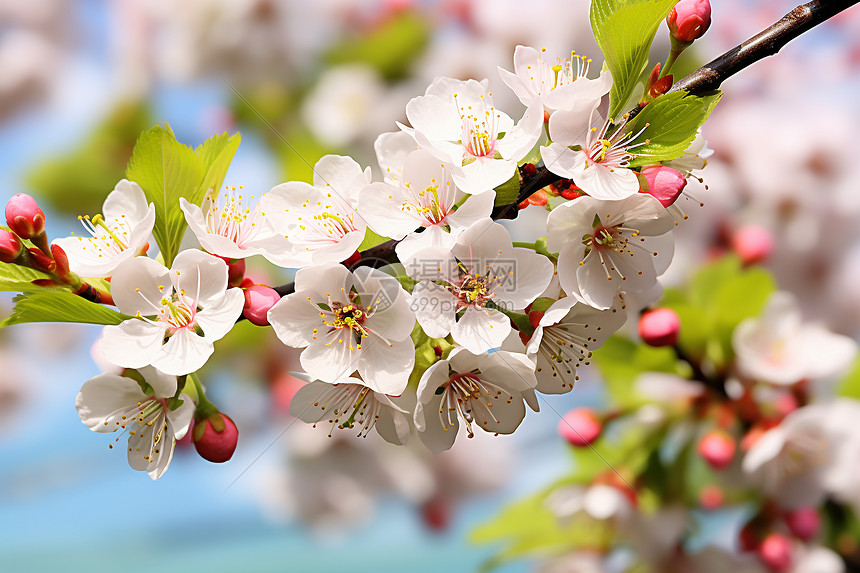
{"x": 689, "y": 19}
{"x": 659, "y": 327}
{"x": 10, "y": 247}
{"x": 258, "y": 300}
{"x": 235, "y": 270}
{"x": 664, "y": 183}
{"x": 711, "y": 497}
{"x": 215, "y": 438}
{"x": 580, "y": 427}
{"x": 804, "y": 522}
{"x": 717, "y": 448}
{"x": 775, "y": 552}
{"x": 752, "y": 244}
{"x": 24, "y": 216}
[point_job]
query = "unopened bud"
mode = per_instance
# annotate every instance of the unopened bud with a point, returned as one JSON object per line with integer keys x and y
{"x": 664, "y": 183}
{"x": 580, "y": 427}
{"x": 10, "y": 247}
{"x": 711, "y": 497}
{"x": 215, "y": 438}
{"x": 353, "y": 260}
{"x": 775, "y": 552}
{"x": 258, "y": 300}
{"x": 717, "y": 448}
{"x": 689, "y": 19}
{"x": 62, "y": 260}
{"x": 24, "y": 216}
{"x": 659, "y": 327}
{"x": 804, "y": 522}
{"x": 40, "y": 261}
{"x": 235, "y": 271}
{"x": 752, "y": 244}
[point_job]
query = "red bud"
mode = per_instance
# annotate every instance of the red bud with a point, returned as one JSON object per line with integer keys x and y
{"x": 258, "y": 300}
{"x": 804, "y": 522}
{"x": 24, "y": 216}
{"x": 717, "y": 447}
{"x": 660, "y": 327}
{"x": 689, "y": 19}
{"x": 775, "y": 552}
{"x": 10, "y": 247}
{"x": 215, "y": 438}
{"x": 580, "y": 427}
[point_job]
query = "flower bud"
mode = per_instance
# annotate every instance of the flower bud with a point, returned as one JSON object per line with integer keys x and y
{"x": 804, "y": 522}
{"x": 689, "y": 19}
{"x": 215, "y": 438}
{"x": 258, "y": 300}
{"x": 711, "y": 497}
{"x": 62, "y": 260}
{"x": 659, "y": 327}
{"x": 24, "y": 216}
{"x": 717, "y": 447}
{"x": 10, "y": 246}
{"x": 752, "y": 244}
{"x": 580, "y": 427}
{"x": 664, "y": 183}
{"x": 235, "y": 271}
{"x": 775, "y": 552}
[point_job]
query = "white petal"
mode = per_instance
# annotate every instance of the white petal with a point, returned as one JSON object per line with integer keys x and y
{"x": 435, "y": 308}
{"x": 532, "y": 274}
{"x": 218, "y": 318}
{"x": 385, "y": 368}
{"x": 134, "y": 286}
{"x": 330, "y": 358}
{"x": 163, "y": 384}
{"x": 522, "y": 137}
{"x": 609, "y": 183}
{"x": 380, "y": 205}
{"x": 484, "y": 174}
{"x": 211, "y": 242}
{"x": 104, "y": 399}
{"x": 203, "y": 277}
{"x": 184, "y": 352}
{"x": 479, "y": 330}
{"x": 339, "y": 173}
{"x": 431, "y": 237}
{"x": 180, "y": 418}
{"x": 132, "y": 344}
{"x": 294, "y": 319}
{"x": 475, "y": 208}
{"x": 128, "y": 201}
{"x": 570, "y": 126}
{"x": 563, "y": 161}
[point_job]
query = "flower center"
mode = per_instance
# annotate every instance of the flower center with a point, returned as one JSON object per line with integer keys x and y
{"x": 112, "y": 238}
{"x": 568, "y": 70}
{"x": 480, "y": 127}
{"x": 463, "y": 396}
{"x": 234, "y": 218}
{"x": 612, "y": 150}
{"x": 353, "y": 402}
{"x": 472, "y": 290}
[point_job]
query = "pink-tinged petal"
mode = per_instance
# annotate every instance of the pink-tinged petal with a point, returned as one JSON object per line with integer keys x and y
{"x": 330, "y": 358}
{"x": 126, "y": 201}
{"x": 484, "y": 174}
{"x": 294, "y": 318}
{"x": 135, "y": 286}
{"x": 563, "y": 161}
{"x": 164, "y": 385}
{"x": 184, "y": 352}
{"x": 570, "y": 125}
{"x": 522, "y": 90}
{"x": 434, "y": 308}
{"x": 480, "y": 330}
{"x": 532, "y": 274}
{"x": 608, "y": 183}
{"x": 481, "y": 244}
{"x": 201, "y": 276}
{"x": 522, "y": 137}
{"x": 105, "y": 399}
{"x": 432, "y": 237}
{"x": 330, "y": 279}
{"x": 218, "y": 318}
{"x": 385, "y": 368}
{"x": 381, "y": 205}
{"x": 215, "y": 244}
{"x": 434, "y": 117}
{"x": 132, "y": 344}
{"x": 474, "y": 209}
{"x": 180, "y": 418}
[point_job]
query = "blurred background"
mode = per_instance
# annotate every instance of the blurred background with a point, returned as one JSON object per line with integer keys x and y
{"x": 80, "y": 79}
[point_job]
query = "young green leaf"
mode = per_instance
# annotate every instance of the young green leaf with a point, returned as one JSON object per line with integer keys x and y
{"x": 670, "y": 123}
{"x": 624, "y": 30}
{"x": 60, "y": 306}
{"x": 167, "y": 170}
{"x": 18, "y": 279}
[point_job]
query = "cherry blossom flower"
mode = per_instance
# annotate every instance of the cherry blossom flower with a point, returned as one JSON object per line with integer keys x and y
{"x": 604, "y": 246}
{"x": 232, "y": 227}
{"x": 318, "y": 222}
{"x": 116, "y": 236}
{"x": 347, "y": 404}
{"x": 424, "y": 196}
{"x": 486, "y": 390}
{"x": 178, "y": 313}
{"x": 556, "y": 85}
{"x": 813, "y": 452}
{"x": 592, "y": 150}
{"x": 108, "y": 403}
{"x": 481, "y": 273}
{"x": 349, "y": 321}
{"x": 780, "y": 349}
{"x": 565, "y": 337}
{"x": 458, "y": 123}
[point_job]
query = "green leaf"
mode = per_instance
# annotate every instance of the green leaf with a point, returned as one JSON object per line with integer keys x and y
{"x": 850, "y": 385}
{"x": 508, "y": 191}
{"x": 371, "y": 239}
{"x": 18, "y": 279}
{"x": 621, "y": 361}
{"x": 624, "y": 30}
{"x": 669, "y": 124}
{"x": 60, "y": 306}
{"x": 167, "y": 170}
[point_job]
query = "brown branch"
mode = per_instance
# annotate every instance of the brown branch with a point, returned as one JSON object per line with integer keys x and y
{"x": 707, "y": 78}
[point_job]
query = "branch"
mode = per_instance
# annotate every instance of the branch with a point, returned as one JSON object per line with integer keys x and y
{"x": 707, "y": 78}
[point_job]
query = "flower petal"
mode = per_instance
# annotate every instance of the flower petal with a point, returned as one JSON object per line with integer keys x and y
{"x": 184, "y": 352}
{"x": 135, "y": 286}
{"x": 202, "y": 276}
{"x": 105, "y": 399}
{"x": 132, "y": 344}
